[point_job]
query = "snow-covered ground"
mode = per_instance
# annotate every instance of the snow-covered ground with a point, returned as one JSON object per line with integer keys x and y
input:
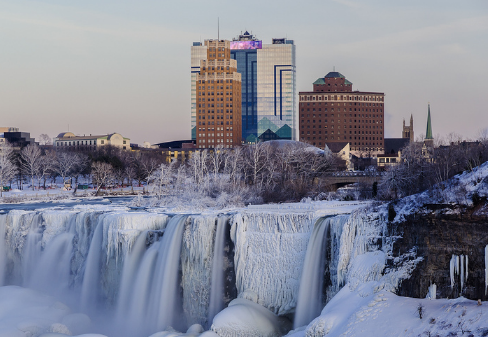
{"x": 93, "y": 245}
{"x": 369, "y": 312}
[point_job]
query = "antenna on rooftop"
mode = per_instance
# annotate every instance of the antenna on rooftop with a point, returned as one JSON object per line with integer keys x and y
{"x": 218, "y": 29}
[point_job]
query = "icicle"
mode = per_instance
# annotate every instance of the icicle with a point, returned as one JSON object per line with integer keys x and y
{"x": 451, "y": 269}
{"x": 466, "y": 271}
{"x": 457, "y": 265}
{"x": 462, "y": 272}
{"x": 432, "y": 294}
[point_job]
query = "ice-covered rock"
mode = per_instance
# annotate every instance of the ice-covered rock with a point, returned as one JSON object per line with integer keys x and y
{"x": 244, "y": 318}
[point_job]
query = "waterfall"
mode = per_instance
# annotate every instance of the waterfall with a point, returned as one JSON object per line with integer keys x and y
{"x": 309, "y": 302}
{"x": 91, "y": 284}
{"x": 129, "y": 274}
{"x": 148, "y": 298}
{"x": 321, "y": 263}
{"x": 52, "y": 274}
{"x": 165, "y": 288}
{"x": 217, "y": 281}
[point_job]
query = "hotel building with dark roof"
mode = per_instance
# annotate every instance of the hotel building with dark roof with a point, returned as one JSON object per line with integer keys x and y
{"x": 333, "y": 113}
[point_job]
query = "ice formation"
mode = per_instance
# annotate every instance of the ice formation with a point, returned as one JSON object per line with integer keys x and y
{"x": 458, "y": 266}
{"x": 246, "y": 318}
{"x": 269, "y": 253}
{"x": 432, "y": 294}
{"x": 157, "y": 270}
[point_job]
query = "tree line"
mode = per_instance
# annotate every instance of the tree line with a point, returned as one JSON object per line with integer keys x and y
{"x": 264, "y": 172}
{"x": 421, "y": 169}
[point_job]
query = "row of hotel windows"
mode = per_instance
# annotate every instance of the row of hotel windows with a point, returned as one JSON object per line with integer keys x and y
{"x": 218, "y": 123}
{"x": 218, "y": 117}
{"x": 345, "y": 121}
{"x": 215, "y": 140}
{"x": 212, "y": 129}
{"x": 221, "y": 87}
{"x": 339, "y": 138}
{"x": 350, "y": 132}
{"x": 204, "y": 146}
{"x": 341, "y": 98}
{"x": 211, "y": 105}
{"x": 217, "y": 99}
{"x": 212, "y": 135}
{"x": 219, "y": 111}
{"x": 218, "y": 68}
{"x": 219, "y": 93}
{"x": 212, "y": 81}
{"x": 345, "y": 109}
{"x": 345, "y": 115}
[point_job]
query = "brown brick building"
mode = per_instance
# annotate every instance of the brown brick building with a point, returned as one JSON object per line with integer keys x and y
{"x": 333, "y": 113}
{"x": 218, "y": 98}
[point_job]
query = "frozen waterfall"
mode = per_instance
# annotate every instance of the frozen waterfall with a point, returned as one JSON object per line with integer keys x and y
{"x": 217, "y": 281}
{"x": 321, "y": 256}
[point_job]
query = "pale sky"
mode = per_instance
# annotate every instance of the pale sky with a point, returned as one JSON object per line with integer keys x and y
{"x": 124, "y": 66}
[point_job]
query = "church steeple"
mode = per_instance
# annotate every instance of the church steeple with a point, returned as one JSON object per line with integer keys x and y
{"x": 428, "y": 132}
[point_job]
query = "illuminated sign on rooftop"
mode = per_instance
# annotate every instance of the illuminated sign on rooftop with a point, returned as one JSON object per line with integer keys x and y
{"x": 246, "y": 44}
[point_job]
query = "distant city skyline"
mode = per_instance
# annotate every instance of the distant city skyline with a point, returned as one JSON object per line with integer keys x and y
{"x": 121, "y": 66}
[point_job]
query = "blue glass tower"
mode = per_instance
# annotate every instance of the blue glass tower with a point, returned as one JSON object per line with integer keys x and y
{"x": 247, "y": 67}
{"x": 268, "y": 87}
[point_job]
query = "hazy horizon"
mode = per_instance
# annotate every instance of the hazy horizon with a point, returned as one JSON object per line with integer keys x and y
{"x": 121, "y": 66}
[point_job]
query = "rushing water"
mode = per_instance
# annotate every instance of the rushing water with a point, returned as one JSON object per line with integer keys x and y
{"x": 137, "y": 273}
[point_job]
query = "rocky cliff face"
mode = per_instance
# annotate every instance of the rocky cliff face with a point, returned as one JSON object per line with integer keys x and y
{"x": 452, "y": 240}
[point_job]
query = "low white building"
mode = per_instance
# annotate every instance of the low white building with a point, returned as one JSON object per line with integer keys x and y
{"x": 69, "y": 139}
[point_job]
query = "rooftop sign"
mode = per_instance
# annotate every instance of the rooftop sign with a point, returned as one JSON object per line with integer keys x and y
{"x": 253, "y": 44}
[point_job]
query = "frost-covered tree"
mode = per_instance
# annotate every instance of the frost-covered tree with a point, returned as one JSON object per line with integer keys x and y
{"x": 65, "y": 164}
{"x": 147, "y": 166}
{"x": 102, "y": 175}
{"x": 80, "y": 167}
{"x": 7, "y": 167}
{"x": 47, "y": 167}
{"x": 44, "y": 139}
{"x": 30, "y": 161}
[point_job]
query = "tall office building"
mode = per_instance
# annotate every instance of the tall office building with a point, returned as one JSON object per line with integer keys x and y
{"x": 268, "y": 74}
{"x": 268, "y": 87}
{"x": 334, "y": 113}
{"x": 217, "y": 98}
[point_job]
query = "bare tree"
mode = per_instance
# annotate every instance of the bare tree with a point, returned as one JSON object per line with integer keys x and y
{"x": 44, "y": 139}
{"x": 102, "y": 175}
{"x": 7, "y": 167}
{"x": 148, "y": 165}
{"x": 79, "y": 168}
{"x": 30, "y": 157}
{"x": 47, "y": 167}
{"x": 66, "y": 162}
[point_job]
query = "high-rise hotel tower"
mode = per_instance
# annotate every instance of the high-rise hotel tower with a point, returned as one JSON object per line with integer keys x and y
{"x": 268, "y": 74}
{"x": 217, "y": 97}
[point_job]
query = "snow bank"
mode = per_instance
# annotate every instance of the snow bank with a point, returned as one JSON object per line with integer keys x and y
{"x": 373, "y": 313}
{"x": 244, "y": 318}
